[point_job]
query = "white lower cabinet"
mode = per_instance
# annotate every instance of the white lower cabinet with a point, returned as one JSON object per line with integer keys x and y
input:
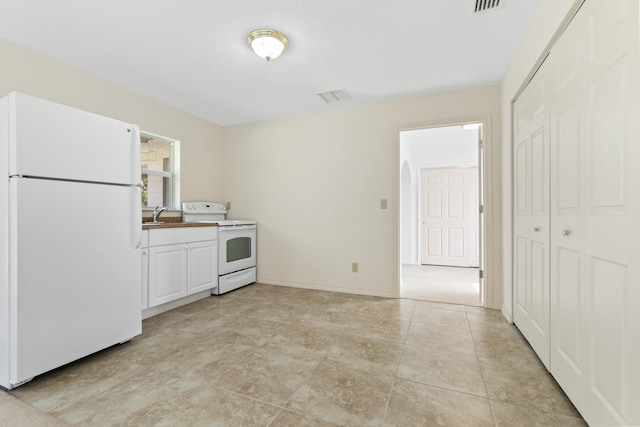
{"x": 203, "y": 266}
{"x": 181, "y": 262}
{"x": 167, "y": 273}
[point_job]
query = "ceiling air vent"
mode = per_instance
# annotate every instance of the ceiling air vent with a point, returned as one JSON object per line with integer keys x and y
{"x": 482, "y": 5}
{"x": 335, "y": 96}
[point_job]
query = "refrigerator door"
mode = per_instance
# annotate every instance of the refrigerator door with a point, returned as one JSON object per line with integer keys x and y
{"x": 74, "y": 272}
{"x": 56, "y": 141}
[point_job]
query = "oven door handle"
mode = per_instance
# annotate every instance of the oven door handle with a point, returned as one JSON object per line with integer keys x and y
{"x": 237, "y": 227}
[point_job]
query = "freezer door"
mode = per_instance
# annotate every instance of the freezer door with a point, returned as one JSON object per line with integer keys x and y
{"x": 74, "y": 272}
{"x": 52, "y": 140}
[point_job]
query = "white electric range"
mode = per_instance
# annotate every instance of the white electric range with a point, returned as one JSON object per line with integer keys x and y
{"x": 236, "y": 244}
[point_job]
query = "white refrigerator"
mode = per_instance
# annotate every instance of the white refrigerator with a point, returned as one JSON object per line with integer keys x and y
{"x": 70, "y": 233}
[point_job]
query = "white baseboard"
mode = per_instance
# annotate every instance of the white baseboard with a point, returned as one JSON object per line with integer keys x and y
{"x": 327, "y": 288}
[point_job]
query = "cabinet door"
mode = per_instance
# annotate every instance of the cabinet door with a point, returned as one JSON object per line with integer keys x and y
{"x": 203, "y": 266}
{"x": 167, "y": 273}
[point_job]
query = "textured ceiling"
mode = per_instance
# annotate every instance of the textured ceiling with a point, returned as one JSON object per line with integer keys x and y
{"x": 193, "y": 54}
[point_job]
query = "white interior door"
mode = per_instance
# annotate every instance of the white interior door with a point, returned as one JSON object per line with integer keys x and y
{"x": 595, "y": 215}
{"x": 449, "y": 217}
{"x": 531, "y": 215}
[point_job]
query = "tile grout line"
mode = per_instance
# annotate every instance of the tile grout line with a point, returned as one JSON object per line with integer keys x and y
{"x": 388, "y": 400}
{"x": 395, "y": 374}
{"x": 284, "y": 403}
{"x": 320, "y": 361}
{"x": 484, "y": 382}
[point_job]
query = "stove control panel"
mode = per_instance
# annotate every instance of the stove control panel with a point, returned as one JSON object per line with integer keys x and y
{"x": 203, "y": 208}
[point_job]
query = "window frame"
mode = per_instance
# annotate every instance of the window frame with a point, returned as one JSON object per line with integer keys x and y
{"x": 174, "y": 168}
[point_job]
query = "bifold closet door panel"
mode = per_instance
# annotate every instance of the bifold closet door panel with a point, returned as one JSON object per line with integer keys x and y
{"x": 613, "y": 216}
{"x": 569, "y": 309}
{"x": 595, "y": 212}
{"x": 531, "y": 216}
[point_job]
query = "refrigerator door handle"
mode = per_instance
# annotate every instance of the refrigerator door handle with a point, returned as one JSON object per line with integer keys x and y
{"x": 135, "y": 154}
{"x": 136, "y": 216}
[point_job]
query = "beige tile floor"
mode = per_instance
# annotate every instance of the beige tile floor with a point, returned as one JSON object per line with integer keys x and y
{"x": 277, "y": 356}
{"x": 456, "y": 285}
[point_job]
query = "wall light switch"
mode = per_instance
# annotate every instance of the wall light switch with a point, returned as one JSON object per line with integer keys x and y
{"x": 354, "y": 267}
{"x": 228, "y": 206}
{"x": 383, "y": 203}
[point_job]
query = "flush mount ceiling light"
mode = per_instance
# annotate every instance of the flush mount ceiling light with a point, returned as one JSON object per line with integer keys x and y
{"x": 267, "y": 44}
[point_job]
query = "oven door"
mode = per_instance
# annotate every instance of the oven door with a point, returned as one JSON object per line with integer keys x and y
{"x": 237, "y": 248}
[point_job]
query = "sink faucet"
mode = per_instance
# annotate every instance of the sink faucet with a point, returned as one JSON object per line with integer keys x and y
{"x": 156, "y": 213}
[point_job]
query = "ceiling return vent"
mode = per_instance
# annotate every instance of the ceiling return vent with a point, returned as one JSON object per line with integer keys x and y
{"x": 483, "y": 5}
{"x": 335, "y": 96}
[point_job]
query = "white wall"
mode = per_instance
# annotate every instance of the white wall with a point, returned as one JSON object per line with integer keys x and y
{"x": 440, "y": 147}
{"x": 546, "y": 22}
{"x": 314, "y": 185}
{"x": 26, "y": 71}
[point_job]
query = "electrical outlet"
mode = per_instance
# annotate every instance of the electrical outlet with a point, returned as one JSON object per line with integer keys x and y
{"x": 383, "y": 203}
{"x": 228, "y": 206}
{"x": 354, "y": 267}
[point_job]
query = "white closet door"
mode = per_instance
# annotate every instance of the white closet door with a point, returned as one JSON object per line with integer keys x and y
{"x": 568, "y": 172}
{"x": 595, "y": 220}
{"x": 531, "y": 215}
{"x": 613, "y": 214}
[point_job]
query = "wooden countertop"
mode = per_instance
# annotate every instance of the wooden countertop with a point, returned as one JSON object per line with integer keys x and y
{"x": 176, "y": 224}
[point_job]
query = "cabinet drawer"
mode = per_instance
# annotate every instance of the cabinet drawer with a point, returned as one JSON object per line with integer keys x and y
{"x": 172, "y": 236}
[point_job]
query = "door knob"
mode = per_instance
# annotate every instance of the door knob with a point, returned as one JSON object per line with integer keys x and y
{"x": 566, "y": 232}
